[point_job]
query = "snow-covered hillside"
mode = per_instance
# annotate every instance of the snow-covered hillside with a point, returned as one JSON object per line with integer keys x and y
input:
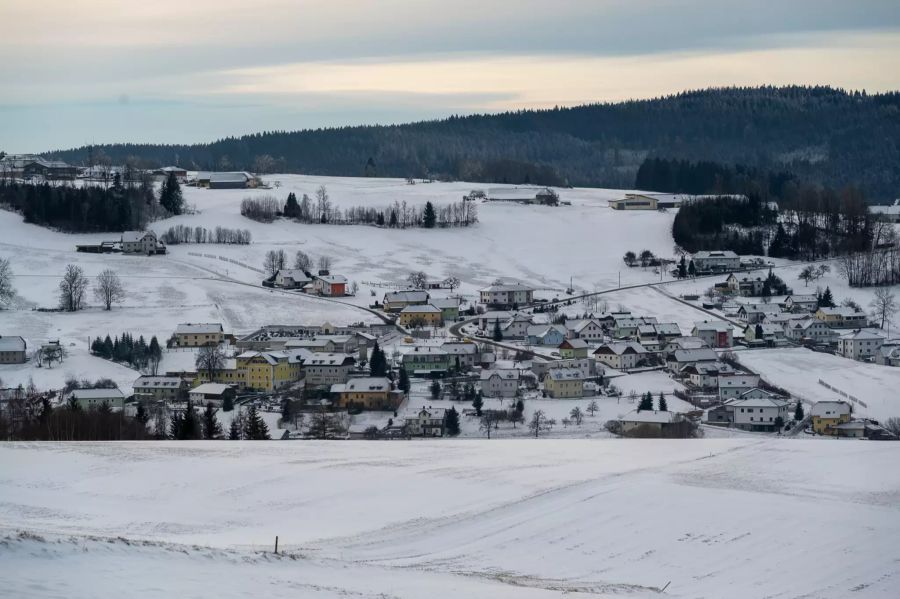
{"x": 728, "y": 517}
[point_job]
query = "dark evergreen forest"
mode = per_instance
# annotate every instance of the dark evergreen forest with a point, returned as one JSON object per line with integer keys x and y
{"x": 819, "y": 134}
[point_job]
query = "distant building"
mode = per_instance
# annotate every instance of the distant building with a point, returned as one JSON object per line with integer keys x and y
{"x": 500, "y": 382}
{"x": 653, "y": 420}
{"x": 198, "y": 335}
{"x": 395, "y": 301}
{"x": 49, "y": 169}
{"x": 12, "y": 350}
{"x": 842, "y": 318}
{"x": 142, "y": 242}
{"x": 716, "y": 261}
{"x": 734, "y": 385}
{"x": 216, "y": 393}
{"x": 715, "y": 333}
{"x": 291, "y": 278}
{"x": 827, "y": 415}
{"x": 425, "y": 315}
{"x": 327, "y": 369}
{"x": 427, "y": 422}
{"x": 889, "y": 214}
{"x": 92, "y": 399}
{"x": 656, "y": 201}
{"x": 428, "y": 361}
{"x": 564, "y": 383}
{"x": 367, "y": 393}
{"x": 525, "y": 195}
{"x": 232, "y": 180}
{"x": 545, "y": 334}
{"x": 330, "y": 285}
{"x": 449, "y": 307}
{"x": 860, "y": 344}
{"x": 573, "y": 348}
{"x": 622, "y": 355}
{"x": 758, "y": 410}
{"x": 506, "y": 295}
{"x": 160, "y": 388}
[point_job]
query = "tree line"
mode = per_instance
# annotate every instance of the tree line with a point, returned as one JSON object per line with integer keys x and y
{"x": 136, "y": 353}
{"x": 178, "y": 234}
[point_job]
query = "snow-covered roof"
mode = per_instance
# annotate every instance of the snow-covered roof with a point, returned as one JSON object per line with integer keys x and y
{"x": 333, "y": 279}
{"x": 157, "y": 382}
{"x": 201, "y": 328}
{"x": 97, "y": 394}
{"x": 715, "y": 254}
{"x": 573, "y": 344}
{"x": 650, "y": 417}
{"x": 509, "y": 374}
{"x": 444, "y": 303}
{"x": 862, "y": 335}
{"x": 694, "y": 355}
{"x": 367, "y": 383}
{"x": 806, "y": 298}
{"x": 328, "y": 359}
{"x": 515, "y": 193}
{"x": 460, "y": 348}
{"x": 420, "y": 309}
{"x": 232, "y": 177}
{"x": 621, "y": 347}
{"x": 565, "y": 374}
{"x": 720, "y": 326}
{"x": 293, "y": 273}
{"x": 135, "y": 236}
{"x": 506, "y": 287}
{"x": 8, "y": 343}
{"x": 211, "y": 389}
{"x": 842, "y": 311}
{"x": 406, "y": 296}
{"x": 760, "y": 402}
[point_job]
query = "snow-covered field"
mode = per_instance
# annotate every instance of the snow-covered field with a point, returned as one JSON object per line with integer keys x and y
{"x": 714, "y": 518}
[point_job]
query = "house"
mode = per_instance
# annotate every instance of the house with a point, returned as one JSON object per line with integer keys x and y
{"x": 888, "y": 214}
{"x": 769, "y": 333}
{"x": 506, "y": 295}
{"x": 421, "y": 316}
{"x": 589, "y": 367}
{"x": 633, "y": 201}
{"x": 753, "y": 313}
{"x": 449, "y": 307}
{"x": 142, "y": 242}
{"x": 851, "y": 430}
{"x": 428, "y": 361}
{"x": 394, "y": 301}
{"x": 705, "y": 375}
{"x": 330, "y": 285}
{"x": 715, "y": 333}
{"x": 758, "y": 410}
{"x": 622, "y": 355}
{"x": 49, "y": 169}
{"x": 12, "y": 350}
{"x": 160, "y": 388}
{"x": 860, "y": 344}
{"x": 842, "y": 318}
{"x": 179, "y": 172}
{"x": 809, "y": 329}
{"x": 367, "y": 393}
{"x": 500, "y": 382}
{"x": 92, "y": 399}
{"x": 588, "y": 329}
{"x": 269, "y": 370}
{"x": 231, "y": 180}
{"x": 651, "y": 420}
{"x": 516, "y": 327}
{"x": 827, "y": 415}
{"x": 523, "y": 194}
{"x": 628, "y": 328}
{"x": 682, "y": 343}
{"x": 682, "y": 357}
{"x": 327, "y": 369}
{"x": 216, "y": 393}
{"x": 801, "y": 303}
{"x": 464, "y": 354}
{"x": 545, "y": 334}
{"x": 198, "y": 335}
{"x": 427, "y": 422}
{"x": 745, "y": 286}
{"x": 564, "y": 383}
{"x": 888, "y": 354}
{"x": 573, "y": 348}
{"x": 291, "y": 278}
{"x": 733, "y": 385}
{"x": 715, "y": 261}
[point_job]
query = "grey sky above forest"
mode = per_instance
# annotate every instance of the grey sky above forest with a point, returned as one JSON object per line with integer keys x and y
{"x": 97, "y": 71}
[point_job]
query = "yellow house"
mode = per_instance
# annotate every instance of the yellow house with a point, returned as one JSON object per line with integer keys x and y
{"x": 827, "y": 415}
{"x": 267, "y": 371}
{"x": 198, "y": 335}
{"x": 368, "y": 393}
{"x": 425, "y": 316}
{"x": 562, "y": 383}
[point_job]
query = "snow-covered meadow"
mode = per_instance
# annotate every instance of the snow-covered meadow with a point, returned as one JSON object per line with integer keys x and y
{"x": 748, "y": 517}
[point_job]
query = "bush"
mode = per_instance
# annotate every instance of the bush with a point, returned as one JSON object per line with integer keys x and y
{"x": 263, "y": 209}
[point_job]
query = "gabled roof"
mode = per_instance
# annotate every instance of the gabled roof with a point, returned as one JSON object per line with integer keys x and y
{"x": 211, "y": 388}
{"x": 444, "y": 303}
{"x": 763, "y": 402}
{"x": 719, "y": 326}
{"x": 830, "y": 408}
{"x": 10, "y": 343}
{"x": 694, "y": 355}
{"x": 406, "y": 296}
{"x": 420, "y": 309}
{"x": 232, "y": 177}
{"x": 651, "y": 417}
{"x": 328, "y": 359}
{"x": 573, "y": 344}
{"x": 565, "y": 374}
{"x": 368, "y": 383}
{"x": 97, "y": 394}
{"x": 158, "y": 382}
{"x": 714, "y": 254}
{"x": 862, "y": 335}
{"x": 333, "y": 279}
{"x": 506, "y": 287}
{"x": 199, "y": 328}
{"x": 460, "y": 348}
{"x": 509, "y": 374}
{"x": 135, "y": 236}
{"x": 293, "y": 273}
{"x": 621, "y": 347}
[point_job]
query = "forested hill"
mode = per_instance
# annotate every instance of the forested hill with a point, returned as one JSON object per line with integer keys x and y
{"x": 819, "y": 134}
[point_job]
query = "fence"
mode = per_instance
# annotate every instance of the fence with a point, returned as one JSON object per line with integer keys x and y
{"x": 230, "y": 260}
{"x": 843, "y": 394}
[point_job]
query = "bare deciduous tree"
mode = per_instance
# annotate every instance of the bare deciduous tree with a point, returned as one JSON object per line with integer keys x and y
{"x": 274, "y": 261}
{"x": 210, "y": 359}
{"x": 302, "y": 261}
{"x": 6, "y": 287}
{"x": 324, "y": 263}
{"x": 417, "y": 280}
{"x": 72, "y": 289}
{"x": 884, "y": 305}
{"x": 108, "y": 289}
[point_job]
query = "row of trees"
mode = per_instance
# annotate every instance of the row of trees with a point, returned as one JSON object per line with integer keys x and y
{"x": 137, "y": 353}
{"x": 184, "y": 234}
{"x": 108, "y": 289}
{"x": 276, "y": 260}
{"x": 264, "y": 209}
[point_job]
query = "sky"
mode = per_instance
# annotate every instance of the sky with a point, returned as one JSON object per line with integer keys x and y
{"x": 75, "y": 72}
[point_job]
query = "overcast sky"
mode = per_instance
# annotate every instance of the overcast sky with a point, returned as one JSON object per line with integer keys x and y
{"x": 93, "y": 71}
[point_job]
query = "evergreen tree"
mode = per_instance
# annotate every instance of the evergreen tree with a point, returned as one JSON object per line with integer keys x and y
{"x": 175, "y": 425}
{"x": 663, "y": 405}
{"x": 435, "y": 389}
{"x": 393, "y": 222}
{"x": 758, "y": 332}
{"x": 477, "y": 403}
{"x": 292, "y": 207}
{"x": 141, "y": 414}
{"x": 827, "y": 300}
{"x": 497, "y": 334}
{"x": 646, "y": 402}
{"x": 255, "y": 427}
{"x": 403, "y": 384}
{"x": 798, "y": 411}
{"x": 287, "y": 410}
{"x": 234, "y": 432}
{"x": 190, "y": 427}
{"x": 227, "y": 403}
{"x": 429, "y": 218}
{"x": 211, "y": 427}
{"x": 682, "y": 268}
{"x": 377, "y": 362}
{"x": 692, "y": 270}
{"x": 451, "y": 422}
{"x": 170, "y": 196}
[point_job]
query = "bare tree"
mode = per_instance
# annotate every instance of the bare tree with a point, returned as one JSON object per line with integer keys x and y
{"x": 592, "y": 407}
{"x": 50, "y": 353}
{"x": 302, "y": 261}
{"x": 323, "y": 204}
{"x": 6, "y": 287}
{"x": 808, "y": 274}
{"x": 324, "y": 263}
{"x": 577, "y": 415}
{"x": 72, "y": 289}
{"x": 487, "y": 423}
{"x": 274, "y": 261}
{"x": 108, "y": 289}
{"x": 540, "y": 423}
{"x": 417, "y": 280}
{"x": 210, "y": 359}
{"x": 892, "y": 424}
{"x": 884, "y": 305}
{"x": 354, "y": 288}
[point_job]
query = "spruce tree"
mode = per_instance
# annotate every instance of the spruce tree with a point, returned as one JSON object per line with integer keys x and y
{"x": 255, "y": 427}
{"x": 435, "y": 389}
{"x": 798, "y": 411}
{"x": 646, "y": 402}
{"x": 170, "y": 196}
{"x": 234, "y": 432}
{"x": 227, "y": 403}
{"x": 141, "y": 414}
{"x": 663, "y": 405}
{"x": 429, "y": 219}
{"x": 451, "y": 422}
{"x": 498, "y": 334}
{"x": 477, "y": 403}
{"x": 682, "y": 268}
{"x": 403, "y": 383}
{"x": 692, "y": 270}
{"x": 211, "y": 427}
{"x": 827, "y": 300}
{"x": 190, "y": 427}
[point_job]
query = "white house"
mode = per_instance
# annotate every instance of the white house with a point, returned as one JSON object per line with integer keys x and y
{"x": 716, "y": 261}
{"x": 500, "y": 382}
{"x": 506, "y": 295}
{"x": 715, "y": 333}
{"x": 426, "y": 422}
{"x": 291, "y": 278}
{"x": 757, "y": 410}
{"x": 705, "y": 375}
{"x": 92, "y": 399}
{"x": 860, "y": 344}
{"x": 622, "y": 355}
{"x": 734, "y": 385}
{"x": 141, "y": 242}
{"x": 682, "y": 357}
{"x": 588, "y": 329}
{"x": 810, "y": 329}
{"x": 801, "y": 303}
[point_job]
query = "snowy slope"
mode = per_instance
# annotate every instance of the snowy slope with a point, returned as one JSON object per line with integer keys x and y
{"x": 735, "y": 517}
